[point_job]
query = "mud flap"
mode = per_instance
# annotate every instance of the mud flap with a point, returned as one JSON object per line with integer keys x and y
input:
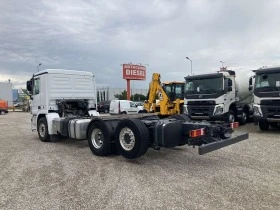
{"x": 236, "y": 137}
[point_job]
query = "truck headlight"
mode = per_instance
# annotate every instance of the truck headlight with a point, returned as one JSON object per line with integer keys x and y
{"x": 257, "y": 111}
{"x": 219, "y": 110}
{"x": 185, "y": 110}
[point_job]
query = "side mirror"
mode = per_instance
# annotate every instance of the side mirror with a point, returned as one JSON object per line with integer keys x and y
{"x": 250, "y": 87}
{"x": 229, "y": 88}
{"x": 29, "y": 86}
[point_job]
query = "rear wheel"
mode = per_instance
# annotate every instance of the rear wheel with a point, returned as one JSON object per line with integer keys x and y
{"x": 99, "y": 138}
{"x": 106, "y": 111}
{"x": 243, "y": 118}
{"x": 43, "y": 130}
{"x": 263, "y": 125}
{"x": 132, "y": 138}
{"x": 2, "y": 112}
{"x": 231, "y": 116}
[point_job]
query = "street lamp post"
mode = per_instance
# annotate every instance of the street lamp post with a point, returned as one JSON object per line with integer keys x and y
{"x": 191, "y": 63}
{"x": 222, "y": 63}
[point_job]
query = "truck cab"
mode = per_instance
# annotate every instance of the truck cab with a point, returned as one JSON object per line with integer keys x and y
{"x": 59, "y": 93}
{"x": 217, "y": 97}
{"x": 267, "y": 97}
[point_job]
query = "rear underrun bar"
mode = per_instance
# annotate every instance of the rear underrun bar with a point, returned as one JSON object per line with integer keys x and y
{"x": 237, "y": 137}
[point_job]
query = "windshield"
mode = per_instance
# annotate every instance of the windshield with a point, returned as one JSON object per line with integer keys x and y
{"x": 267, "y": 82}
{"x": 174, "y": 90}
{"x": 204, "y": 85}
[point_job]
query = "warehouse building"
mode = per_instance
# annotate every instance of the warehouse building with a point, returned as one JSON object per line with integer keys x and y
{"x": 6, "y": 92}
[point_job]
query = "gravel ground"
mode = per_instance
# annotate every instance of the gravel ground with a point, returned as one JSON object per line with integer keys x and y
{"x": 66, "y": 175}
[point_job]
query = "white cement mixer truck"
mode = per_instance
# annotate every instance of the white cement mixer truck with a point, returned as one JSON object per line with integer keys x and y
{"x": 221, "y": 96}
{"x": 266, "y": 97}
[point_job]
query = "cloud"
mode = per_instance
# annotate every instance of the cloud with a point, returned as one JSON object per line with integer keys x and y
{"x": 98, "y": 36}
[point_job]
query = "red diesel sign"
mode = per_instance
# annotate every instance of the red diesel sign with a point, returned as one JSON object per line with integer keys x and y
{"x": 134, "y": 72}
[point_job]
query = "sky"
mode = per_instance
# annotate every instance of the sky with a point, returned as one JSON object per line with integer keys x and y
{"x": 99, "y": 36}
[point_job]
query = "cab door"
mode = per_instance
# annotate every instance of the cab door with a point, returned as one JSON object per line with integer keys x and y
{"x": 133, "y": 108}
{"x": 230, "y": 94}
{"x": 36, "y": 101}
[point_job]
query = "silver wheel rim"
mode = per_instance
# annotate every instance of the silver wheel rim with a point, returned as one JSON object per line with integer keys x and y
{"x": 231, "y": 118}
{"x": 244, "y": 115}
{"x": 97, "y": 138}
{"x": 127, "y": 139}
{"x": 106, "y": 110}
{"x": 42, "y": 130}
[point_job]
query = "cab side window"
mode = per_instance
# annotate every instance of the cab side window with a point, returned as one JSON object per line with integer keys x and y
{"x": 36, "y": 86}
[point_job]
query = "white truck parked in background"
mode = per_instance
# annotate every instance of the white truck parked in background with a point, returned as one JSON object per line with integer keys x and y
{"x": 63, "y": 104}
{"x": 266, "y": 97}
{"x": 222, "y": 96}
{"x": 124, "y": 107}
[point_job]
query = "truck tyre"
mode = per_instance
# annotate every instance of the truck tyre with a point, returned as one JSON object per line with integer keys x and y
{"x": 243, "y": 118}
{"x": 132, "y": 138}
{"x": 231, "y": 116}
{"x": 99, "y": 138}
{"x": 106, "y": 111}
{"x": 274, "y": 125}
{"x": 263, "y": 125}
{"x": 43, "y": 130}
{"x": 2, "y": 112}
{"x": 180, "y": 117}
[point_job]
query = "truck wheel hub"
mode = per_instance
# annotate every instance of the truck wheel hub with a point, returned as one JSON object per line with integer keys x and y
{"x": 127, "y": 139}
{"x": 42, "y": 130}
{"x": 97, "y": 138}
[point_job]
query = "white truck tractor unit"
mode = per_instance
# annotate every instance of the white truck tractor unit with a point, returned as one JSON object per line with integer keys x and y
{"x": 63, "y": 105}
{"x": 266, "y": 97}
{"x": 222, "y": 96}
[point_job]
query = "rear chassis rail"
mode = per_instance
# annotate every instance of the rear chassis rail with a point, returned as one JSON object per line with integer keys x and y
{"x": 169, "y": 132}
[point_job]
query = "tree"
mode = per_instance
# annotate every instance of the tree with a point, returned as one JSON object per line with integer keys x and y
{"x": 122, "y": 96}
{"x": 138, "y": 97}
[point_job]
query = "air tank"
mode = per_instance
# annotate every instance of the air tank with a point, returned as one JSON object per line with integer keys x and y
{"x": 242, "y": 86}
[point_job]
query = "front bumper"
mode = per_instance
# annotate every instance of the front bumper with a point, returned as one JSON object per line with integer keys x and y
{"x": 236, "y": 137}
{"x": 221, "y": 117}
{"x": 268, "y": 113}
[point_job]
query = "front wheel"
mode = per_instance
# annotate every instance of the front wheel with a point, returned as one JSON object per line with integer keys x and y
{"x": 263, "y": 125}
{"x": 132, "y": 138}
{"x": 2, "y": 112}
{"x": 43, "y": 130}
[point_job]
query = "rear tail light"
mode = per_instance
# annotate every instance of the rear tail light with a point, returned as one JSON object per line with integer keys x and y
{"x": 234, "y": 125}
{"x": 197, "y": 132}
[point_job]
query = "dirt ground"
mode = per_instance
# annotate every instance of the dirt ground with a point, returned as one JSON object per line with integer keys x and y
{"x": 66, "y": 175}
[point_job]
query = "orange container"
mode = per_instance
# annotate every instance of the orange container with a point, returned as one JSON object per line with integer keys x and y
{"x": 3, "y": 105}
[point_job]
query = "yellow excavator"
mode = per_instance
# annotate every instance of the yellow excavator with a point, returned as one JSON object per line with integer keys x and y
{"x": 170, "y": 97}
